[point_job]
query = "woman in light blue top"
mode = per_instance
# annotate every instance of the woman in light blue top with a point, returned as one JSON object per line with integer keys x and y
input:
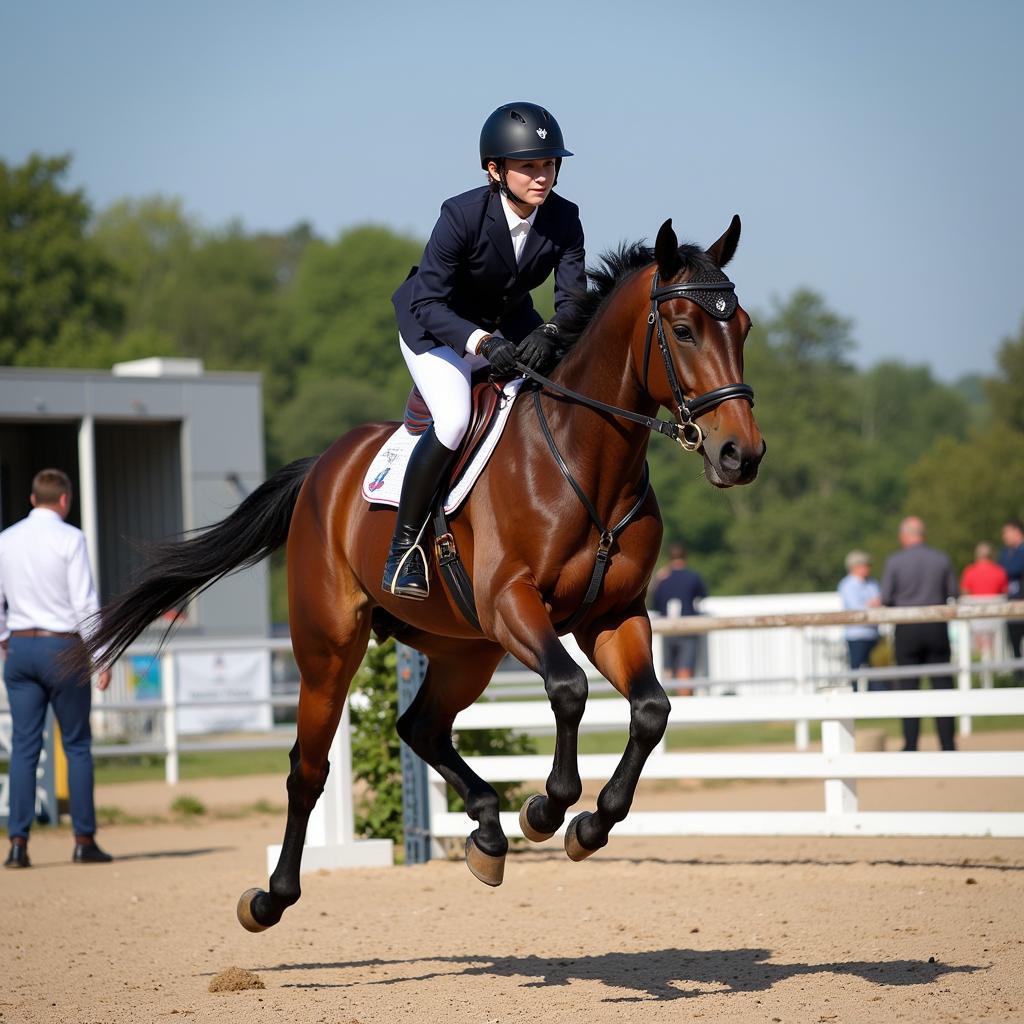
{"x": 859, "y": 590}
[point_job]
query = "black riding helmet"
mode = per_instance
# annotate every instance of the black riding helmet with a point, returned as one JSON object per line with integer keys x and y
{"x": 520, "y": 131}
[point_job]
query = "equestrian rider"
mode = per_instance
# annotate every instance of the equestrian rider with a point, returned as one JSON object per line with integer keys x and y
{"x": 467, "y": 305}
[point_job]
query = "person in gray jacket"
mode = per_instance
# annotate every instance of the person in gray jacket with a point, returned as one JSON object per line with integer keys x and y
{"x": 919, "y": 575}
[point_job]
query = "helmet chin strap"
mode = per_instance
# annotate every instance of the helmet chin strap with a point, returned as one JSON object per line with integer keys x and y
{"x": 506, "y": 191}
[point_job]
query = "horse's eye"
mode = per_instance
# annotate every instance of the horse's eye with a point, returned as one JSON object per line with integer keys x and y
{"x": 682, "y": 332}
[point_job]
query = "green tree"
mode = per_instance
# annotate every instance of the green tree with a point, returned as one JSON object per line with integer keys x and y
{"x": 152, "y": 241}
{"x": 321, "y": 410}
{"x": 58, "y": 290}
{"x": 966, "y": 488}
{"x": 1006, "y": 390}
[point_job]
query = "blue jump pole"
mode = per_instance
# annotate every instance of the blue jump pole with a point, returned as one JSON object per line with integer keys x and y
{"x": 412, "y": 668}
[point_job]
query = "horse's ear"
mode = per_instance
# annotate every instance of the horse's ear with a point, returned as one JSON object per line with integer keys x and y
{"x": 666, "y": 252}
{"x": 725, "y": 248}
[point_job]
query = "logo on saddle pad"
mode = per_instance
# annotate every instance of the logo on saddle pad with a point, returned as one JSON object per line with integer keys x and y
{"x": 542, "y": 132}
{"x": 378, "y": 481}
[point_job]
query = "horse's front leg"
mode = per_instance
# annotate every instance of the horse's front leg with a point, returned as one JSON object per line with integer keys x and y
{"x": 622, "y": 653}
{"x": 523, "y": 626}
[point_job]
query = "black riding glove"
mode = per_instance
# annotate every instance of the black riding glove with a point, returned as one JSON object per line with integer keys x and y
{"x": 500, "y": 353}
{"x": 537, "y": 349}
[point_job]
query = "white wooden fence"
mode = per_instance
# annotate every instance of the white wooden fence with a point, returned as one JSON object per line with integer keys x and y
{"x": 838, "y": 765}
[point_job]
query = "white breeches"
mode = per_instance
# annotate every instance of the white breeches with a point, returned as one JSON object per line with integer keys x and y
{"x": 443, "y": 378}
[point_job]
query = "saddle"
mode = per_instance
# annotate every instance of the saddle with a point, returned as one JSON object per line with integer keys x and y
{"x": 486, "y": 400}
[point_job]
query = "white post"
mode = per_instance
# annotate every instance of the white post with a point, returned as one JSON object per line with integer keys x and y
{"x": 87, "y": 493}
{"x": 837, "y": 737}
{"x": 330, "y": 835}
{"x": 802, "y": 732}
{"x": 963, "y": 660}
{"x": 169, "y": 692}
{"x": 437, "y": 790}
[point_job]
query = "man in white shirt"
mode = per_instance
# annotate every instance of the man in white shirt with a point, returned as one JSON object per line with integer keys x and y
{"x": 47, "y": 585}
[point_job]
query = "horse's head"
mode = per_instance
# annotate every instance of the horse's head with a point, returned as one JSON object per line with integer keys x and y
{"x": 691, "y": 360}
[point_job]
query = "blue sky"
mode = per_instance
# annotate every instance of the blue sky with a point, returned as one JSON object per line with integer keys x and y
{"x": 875, "y": 151}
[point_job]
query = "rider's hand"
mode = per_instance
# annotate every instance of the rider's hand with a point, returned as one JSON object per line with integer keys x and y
{"x": 537, "y": 349}
{"x": 500, "y": 353}
{"x": 104, "y": 679}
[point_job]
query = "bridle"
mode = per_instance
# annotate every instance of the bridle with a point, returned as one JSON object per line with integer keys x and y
{"x": 686, "y": 431}
{"x": 690, "y": 435}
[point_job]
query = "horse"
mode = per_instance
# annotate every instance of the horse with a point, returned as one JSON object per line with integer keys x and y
{"x": 567, "y": 463}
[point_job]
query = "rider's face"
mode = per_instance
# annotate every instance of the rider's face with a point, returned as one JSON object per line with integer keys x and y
{"x": 530, "y": 181}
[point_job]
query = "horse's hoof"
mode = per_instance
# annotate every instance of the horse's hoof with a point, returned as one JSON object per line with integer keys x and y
{"x": 573, "y": 847}
{"x": 490, "y": 870}
{"x": 524, "y": 822}
{"x": 245, "y": 914}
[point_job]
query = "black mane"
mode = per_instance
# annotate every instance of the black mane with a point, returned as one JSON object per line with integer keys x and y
{"x": 613, "y": 268}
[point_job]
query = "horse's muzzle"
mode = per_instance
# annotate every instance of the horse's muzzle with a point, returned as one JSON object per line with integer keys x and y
{"x": 732, "y": 463}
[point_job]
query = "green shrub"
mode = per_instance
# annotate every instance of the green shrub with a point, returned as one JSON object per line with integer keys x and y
{"x": 375, "y": 745}
{"x": 376, "y": 755}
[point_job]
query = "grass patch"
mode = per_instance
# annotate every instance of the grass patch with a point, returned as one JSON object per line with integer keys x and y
{"x": 112, "y": 815}
{"x": 200, "y": 764}
{"x": 247, "y": 810}
{"x": 188, "y": 806}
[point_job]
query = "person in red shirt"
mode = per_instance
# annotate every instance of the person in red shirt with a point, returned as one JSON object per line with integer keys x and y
{"x": 983, "y": 577}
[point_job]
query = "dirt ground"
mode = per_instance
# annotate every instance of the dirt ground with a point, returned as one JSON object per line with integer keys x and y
{"x": 653, "y": 930}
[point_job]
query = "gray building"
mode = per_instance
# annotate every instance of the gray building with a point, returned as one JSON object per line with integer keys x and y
{"x": 154, "y": 447}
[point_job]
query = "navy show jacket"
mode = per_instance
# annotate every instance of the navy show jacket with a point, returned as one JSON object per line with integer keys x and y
{"x": 468, "y": 278}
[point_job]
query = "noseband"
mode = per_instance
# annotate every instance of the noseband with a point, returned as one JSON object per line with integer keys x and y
{"x": 690, "y": 435}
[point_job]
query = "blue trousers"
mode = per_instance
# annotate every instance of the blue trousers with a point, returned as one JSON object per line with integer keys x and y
{"x": 860, "y": 657}
{"x": 34, "y": 679}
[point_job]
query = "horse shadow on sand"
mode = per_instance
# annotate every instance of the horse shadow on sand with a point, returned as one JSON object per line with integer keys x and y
{"x": 652, "y": 975}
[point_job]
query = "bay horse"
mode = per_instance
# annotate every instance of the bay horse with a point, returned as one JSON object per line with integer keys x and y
{"x": 567, "y": 462}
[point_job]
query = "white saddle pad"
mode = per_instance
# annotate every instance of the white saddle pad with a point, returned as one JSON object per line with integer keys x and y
{"x": 382, "y": 484}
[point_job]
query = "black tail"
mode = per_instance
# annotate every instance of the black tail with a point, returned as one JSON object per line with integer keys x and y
{"x": 179, "y": 570}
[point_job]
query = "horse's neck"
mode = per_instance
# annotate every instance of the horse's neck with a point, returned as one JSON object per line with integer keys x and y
{"x": 608, "y": 452}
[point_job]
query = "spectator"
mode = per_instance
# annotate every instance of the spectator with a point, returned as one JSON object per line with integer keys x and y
{"x": 983, "y": 578}
{"x": 45, "y": 577}
{"x": 859, "y": 590}
{"x": 919, "y": 575}
{"x": 677, "y": 592}
{"x": 1011, "y": 558}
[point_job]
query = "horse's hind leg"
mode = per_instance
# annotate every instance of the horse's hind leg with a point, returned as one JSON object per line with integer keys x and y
{"x": 623, "y": 654}
{"x": 327, "y": 662}
{"x": 458, "y": 673}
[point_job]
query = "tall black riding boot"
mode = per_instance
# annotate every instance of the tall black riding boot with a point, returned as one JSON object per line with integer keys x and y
{"x": 405, "y": 572}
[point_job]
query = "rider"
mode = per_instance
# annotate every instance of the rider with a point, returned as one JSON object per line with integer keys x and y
{"x": 468, "y": 304}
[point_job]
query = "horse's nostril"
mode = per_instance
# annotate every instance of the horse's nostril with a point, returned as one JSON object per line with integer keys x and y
{"x": 729, "y": 456}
